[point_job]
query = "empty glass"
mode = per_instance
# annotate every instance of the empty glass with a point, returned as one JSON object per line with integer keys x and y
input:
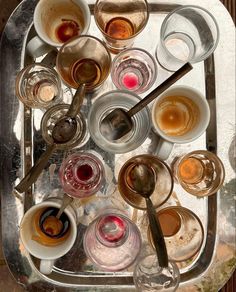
{"x": 134, "y": 69}
{"x": 182, "y": 230}
{"x": 103, "y": 106}
{"x": 163, "y": 187}
{"x": 188, "y": 34}
{"x": 112, "y": 241}
{"x": 200, "y": 173}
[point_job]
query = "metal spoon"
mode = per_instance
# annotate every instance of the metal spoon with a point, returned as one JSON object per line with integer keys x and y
{"x": 118, "y": 122}
{"x": 143, "y": 182}
{"x": 65, "y": 202}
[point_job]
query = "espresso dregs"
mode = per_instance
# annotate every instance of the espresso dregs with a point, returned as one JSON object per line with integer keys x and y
{"x": 176, "y": 115}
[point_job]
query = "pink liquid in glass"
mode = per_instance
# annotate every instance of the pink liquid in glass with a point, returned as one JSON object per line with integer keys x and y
{"x": 130, "y": 80}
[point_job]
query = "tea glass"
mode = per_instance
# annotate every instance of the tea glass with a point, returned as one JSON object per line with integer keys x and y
{"x": 81, "y": 174}
{"x": 120, "y": 22}
{"x": 134, "y": 69}
{"x": 112, "y": 241}
{"x": 47, "y": 248}
{"x": 179, "y": 115}
{"x": 103, "y": 106}
{"x": 76, "y": 53}
{"x": 56, "y": 22}
{"x": 38, "y": 86}
{"x": 200, "y": 173}
{"x": 188, "y": 34}
{"x": 163, "y": 186}
{"x": 149, "y": 276}
{"x": 182, "y": 230}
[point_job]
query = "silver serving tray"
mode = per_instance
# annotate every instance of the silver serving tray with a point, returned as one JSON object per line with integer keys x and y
{"x": 22, "y": 143}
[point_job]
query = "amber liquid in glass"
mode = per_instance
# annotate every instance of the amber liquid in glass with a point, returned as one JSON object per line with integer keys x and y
{"x": 119, "y": 28}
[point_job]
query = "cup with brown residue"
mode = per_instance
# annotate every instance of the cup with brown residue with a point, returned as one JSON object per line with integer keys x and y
{"x": 180, "y": 115}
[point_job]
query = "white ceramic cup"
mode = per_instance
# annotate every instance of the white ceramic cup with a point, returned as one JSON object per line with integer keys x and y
{"x": 201, "y": 114}
{"x": 47, "y": 254}
{"x": 49, "y": 15}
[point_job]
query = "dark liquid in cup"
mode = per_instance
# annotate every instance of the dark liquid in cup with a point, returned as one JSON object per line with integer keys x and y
{"x": 119, "y": 28}
{"x": 67, "y": 29}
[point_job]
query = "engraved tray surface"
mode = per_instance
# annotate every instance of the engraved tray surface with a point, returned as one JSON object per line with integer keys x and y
{"x": 22, "y": 143}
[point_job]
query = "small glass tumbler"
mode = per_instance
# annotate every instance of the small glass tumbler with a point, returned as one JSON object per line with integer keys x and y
{"x": 182, "y": 230}
{"x": 81, "y": 57}
{"x": 103, "y": 106}
{"x": 200, "y": 173}
{"x": 81, "y": 174}
{"x": 120, "y": 21}
{"x": 112, "y": 241}
{"x": 149, "y": 276}
{"x": 53, "y": 115}
{"x": 134, "y": 69}
{"x": 188, "y": 34}
{"x": 38, "y": 86}
{"x": 163, "y": 187}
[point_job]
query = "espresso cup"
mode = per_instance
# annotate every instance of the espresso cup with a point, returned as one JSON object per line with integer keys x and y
{"x": 56, "y": 22}
{"x": 44, "y": 247}
{"x": 179, "y": 115}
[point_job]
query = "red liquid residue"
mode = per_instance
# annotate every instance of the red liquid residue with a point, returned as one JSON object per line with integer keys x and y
{"x": 67, "y": 29}
{"x": 112, "y": 228}
{"x": 130, "y": 80}
{"x": 84, "y": 172}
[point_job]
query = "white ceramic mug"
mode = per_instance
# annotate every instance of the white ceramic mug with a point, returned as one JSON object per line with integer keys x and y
{"x": 50, "y": 15}
{"x": 183, "y": 124}
{"x": 47, "y": 254}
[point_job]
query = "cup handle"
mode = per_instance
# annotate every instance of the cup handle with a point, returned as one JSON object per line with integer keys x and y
{"x": 36, "y": 47}
{"x": 46, "y": 266}
{"x": 164, "y": 149}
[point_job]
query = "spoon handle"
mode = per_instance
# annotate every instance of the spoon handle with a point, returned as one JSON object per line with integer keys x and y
{"x": 157, "y": 235}
{"x": 35, "y": 171}
{"x": 162, "y": 87}
{"x": 77, "y": 101}
{"x": 65, "y": 202}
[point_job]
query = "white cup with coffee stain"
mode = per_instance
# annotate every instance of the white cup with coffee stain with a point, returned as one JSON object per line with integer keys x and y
{"x": 40, "y": 244}
{"x": 180, "y": 115}
{"x": 55, "y": 22}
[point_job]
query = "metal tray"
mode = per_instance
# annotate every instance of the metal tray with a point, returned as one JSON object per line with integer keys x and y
{"x": 22, "y": 143}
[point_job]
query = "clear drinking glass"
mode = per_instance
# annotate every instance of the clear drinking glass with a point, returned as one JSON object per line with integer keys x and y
{"x": 134, "y": 69}
{"x": 38, "y": 86}
{"x": 149, "y": 276}
{"x": 81, "y": 174}
{"x": 80, "y": 53}
{"x": 103, "y": 106}
{"x": 112, "y": 241}
{"x": 188, "y": 34}
{"x": 182, "y": 230}
{"x": 200, "y": 173}
{"x": 120, "y": 21}
{"x": 163, "y": 187}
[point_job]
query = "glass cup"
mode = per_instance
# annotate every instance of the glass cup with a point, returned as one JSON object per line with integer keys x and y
{"x": 103, "y": 106}
{"x": 134, "y": 69}
{"x": 80, "y": 53}
{"x": 112, "y": 241}
{"x": 54, "y": 114}
{"x": 200, "y": 173}
{"x": 163, "y": 187}
{"x": 188, "y": 34}
{"x": 81, "y": 174}
{"x": 38, "y": 86}
{"x": 121, "y": 21}
{"x": 149, "y": 276}
{"x": 182, "y": 230}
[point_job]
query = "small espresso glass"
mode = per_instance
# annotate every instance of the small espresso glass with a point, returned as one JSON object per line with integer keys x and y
{"x": 103, "y": 106}
{"x": 38, "y": 86}
{"x": 121, "y": 21}
{"x": 200, "y": 173}
{"x": 188, "y": 34}
{"x": 81, "y": 174}
{"x": 78, "y": 56}
{"x": 134, "y": 69}
{"x": 182, "y": 230}
{"x": 163, "y": 186}
{"x": 112, "y": 241}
